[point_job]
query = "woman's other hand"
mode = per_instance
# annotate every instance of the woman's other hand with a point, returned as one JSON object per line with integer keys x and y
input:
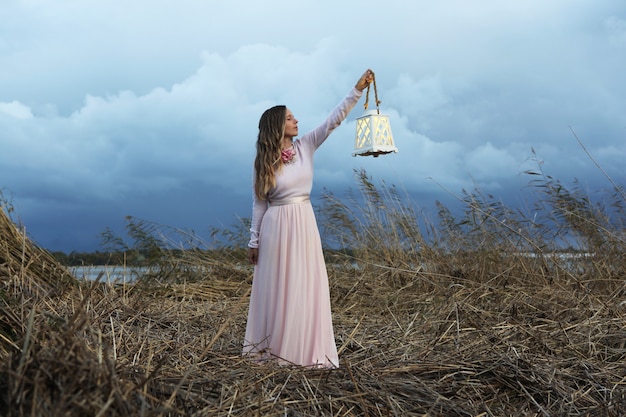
{"x": 365, "y": 80}
{"x": 253, "y": 255}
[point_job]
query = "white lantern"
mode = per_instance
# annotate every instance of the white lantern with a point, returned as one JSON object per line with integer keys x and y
{"x": 373, "y": 132}
{"x": 373, "y": 135}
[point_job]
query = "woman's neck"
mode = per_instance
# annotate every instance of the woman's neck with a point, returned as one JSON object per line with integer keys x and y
{"x": 287, "y": 143}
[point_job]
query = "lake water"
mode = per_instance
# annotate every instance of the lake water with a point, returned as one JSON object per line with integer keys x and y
{"x": 107, "y": 273}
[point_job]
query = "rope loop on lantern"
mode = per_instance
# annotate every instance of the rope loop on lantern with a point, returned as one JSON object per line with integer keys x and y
{"x": 367, "y": 94}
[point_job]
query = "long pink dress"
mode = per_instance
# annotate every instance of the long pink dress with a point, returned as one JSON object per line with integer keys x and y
{"x": 289, "y": 318}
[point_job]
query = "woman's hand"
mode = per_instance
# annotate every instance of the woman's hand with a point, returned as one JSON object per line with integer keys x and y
{"x": 365, "y": 80}
{"x": 253, "y": 255}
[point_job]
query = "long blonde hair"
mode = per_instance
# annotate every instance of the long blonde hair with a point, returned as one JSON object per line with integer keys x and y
{"x": 268, "y": 147}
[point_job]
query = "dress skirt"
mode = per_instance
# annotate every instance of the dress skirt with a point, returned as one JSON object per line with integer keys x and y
{"x": 289, "y": 318}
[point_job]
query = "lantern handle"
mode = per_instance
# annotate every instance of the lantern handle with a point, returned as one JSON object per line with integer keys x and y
{"x": 367, "y": 94}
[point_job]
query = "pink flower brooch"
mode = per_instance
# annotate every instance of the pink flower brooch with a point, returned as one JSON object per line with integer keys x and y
{"x": 288, "y": 155}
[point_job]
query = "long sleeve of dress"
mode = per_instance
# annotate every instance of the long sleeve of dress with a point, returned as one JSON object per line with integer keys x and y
{"x": 259, "y": 207}
{"x": 318, "y": 135}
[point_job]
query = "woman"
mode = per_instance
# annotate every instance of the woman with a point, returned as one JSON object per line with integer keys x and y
{"x": 289, "y": 318}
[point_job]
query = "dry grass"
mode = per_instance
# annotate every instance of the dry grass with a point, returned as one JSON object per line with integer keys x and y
{"x": 424, "y": 330}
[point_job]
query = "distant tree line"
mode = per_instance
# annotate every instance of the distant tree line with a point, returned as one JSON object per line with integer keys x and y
{"x": 146, "y": 258}
{"x": 97, "y": 258}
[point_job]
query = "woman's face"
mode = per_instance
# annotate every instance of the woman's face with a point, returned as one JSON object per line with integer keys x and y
{"x": 291, "y": 125}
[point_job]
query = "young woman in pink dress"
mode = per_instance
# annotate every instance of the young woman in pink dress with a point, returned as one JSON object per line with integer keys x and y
{"x": 289, "y": 317}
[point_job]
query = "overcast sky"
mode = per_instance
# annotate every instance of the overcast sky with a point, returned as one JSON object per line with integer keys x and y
{"x": 150, "y": 108}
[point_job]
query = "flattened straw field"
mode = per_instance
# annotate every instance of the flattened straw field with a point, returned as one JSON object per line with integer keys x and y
{"x": 431, "y": 332}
